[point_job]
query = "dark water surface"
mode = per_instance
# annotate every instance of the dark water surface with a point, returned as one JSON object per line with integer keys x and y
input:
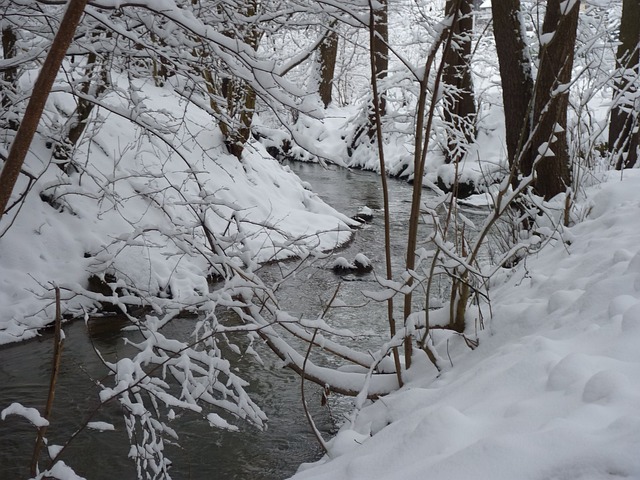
{"x": 205, "y": 452}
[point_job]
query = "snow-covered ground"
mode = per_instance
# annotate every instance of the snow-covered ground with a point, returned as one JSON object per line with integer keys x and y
{"x": 553, "y": 390}
{"x": 134, "y": 208}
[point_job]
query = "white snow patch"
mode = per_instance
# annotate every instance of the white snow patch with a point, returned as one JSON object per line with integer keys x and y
{"x": 31, "y": 414}
{"x": 553, "y": 389}
{"x": 101, "y": 426}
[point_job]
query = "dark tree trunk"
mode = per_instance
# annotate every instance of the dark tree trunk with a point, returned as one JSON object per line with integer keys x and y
{"x": 380, "y": 47}
{"x": 460, "y": 107}
{"x": 9, "y": 76}
{"x": 328, "y": 53}
{"x": 94, "y": 85}
{"x": 515, "y": 74}
{"x": 549, "y": 149}
{"x": 238, "y": 95}
{"x": 624, "y": 127}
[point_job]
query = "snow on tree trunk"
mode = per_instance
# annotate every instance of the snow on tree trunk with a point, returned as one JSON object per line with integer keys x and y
{"x": 624, "y": 128}
{"x": 549, "y": 150}
{"x": 460, "y": 107}
{"x": 327, "y": 55}
{"x": 515, "y": 73}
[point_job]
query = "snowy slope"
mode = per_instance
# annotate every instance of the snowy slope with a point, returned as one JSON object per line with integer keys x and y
{"x": 553, "y": 391}
{"x": 133, "y": 208}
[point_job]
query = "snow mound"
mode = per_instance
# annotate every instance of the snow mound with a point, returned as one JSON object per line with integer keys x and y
{"x": 553, "y": 389}
{"x": 135, "y": 209}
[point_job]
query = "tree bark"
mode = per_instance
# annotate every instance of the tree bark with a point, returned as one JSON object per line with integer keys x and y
{"x": 460, "y": 107}
{"x": 624, "y": 128}
{"x": 549, "y": 150}
{"x": 35, "y": 107}
{"x": 379, "y": 45}
{"x": 95, "y": 83}
{"x": 515, "y": 74}
{"x": 327, "y": 53}
{"x": 239, "y": 97}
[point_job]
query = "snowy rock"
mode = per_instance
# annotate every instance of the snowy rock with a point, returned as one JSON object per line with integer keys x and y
{"x": 360, "y": 264}
{"x": 465, "y": 183}
{"x": 101, "y": 426}
{"x": 365, "y": 214}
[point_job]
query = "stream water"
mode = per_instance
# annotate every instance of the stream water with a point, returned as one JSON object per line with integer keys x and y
{"x": 205, "y": 452}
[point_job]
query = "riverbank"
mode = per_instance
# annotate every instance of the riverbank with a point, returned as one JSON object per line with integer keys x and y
{"x": 134, "y": 210}
{"x": 552, "y": 390}
{"x": 267, "y": 455}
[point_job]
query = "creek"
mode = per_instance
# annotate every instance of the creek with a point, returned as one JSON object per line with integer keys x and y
{"x": 205, "y": 452}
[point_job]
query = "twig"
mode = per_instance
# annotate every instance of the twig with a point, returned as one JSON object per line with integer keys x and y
{"x": 312, "y": 424}
{"x": 307, "y": 414}
{"x": 57, "y": 355}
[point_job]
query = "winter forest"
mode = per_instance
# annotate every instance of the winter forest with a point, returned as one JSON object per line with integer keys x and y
{"x": 355, "y": 239}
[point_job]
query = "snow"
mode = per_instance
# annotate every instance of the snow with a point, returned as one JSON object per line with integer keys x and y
{"x": 101, "y": 426}
{"x": 551, "y": 392}
{"x": 216, "y": 420}
{"x": 365, "y": 211}
{"x": 29, "y": 413}
{"x": 553, "y": 389}
{"x": 130, "y": 212}
{"x": 361, "y": 260}
{"x": 54, "y": 450}
{"x": 61, "y": 471}
{"x": 345, "y": 441}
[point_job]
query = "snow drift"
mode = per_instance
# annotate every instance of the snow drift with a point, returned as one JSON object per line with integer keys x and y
{"x": 553, "y": 389}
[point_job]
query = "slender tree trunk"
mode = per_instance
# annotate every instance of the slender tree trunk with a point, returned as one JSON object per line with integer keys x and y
{"x": 515, "y": 75}
{"x": 35, "y": 107}
{"x": 9, "y": 75}
{"x": 624, "y": 125}
{"x": 551, "y": 100}
{"x": 94, "y": 84}
{"x": 327, "y": 55}
{"x": 424, "y": 122}
{"x": 460, "y": 107}
{"x": 380, "y": 47}
{"x": 385, "y": 197}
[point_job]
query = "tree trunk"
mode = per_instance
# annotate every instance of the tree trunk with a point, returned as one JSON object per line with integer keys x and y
{"x": 381, "y": 50}
{"x": 549, "y": 149}
{"x": 624, "y": 128}
{"x": 239, "y": 97}
{"x": 327, "y": 55}
{"x": 9, "y": 77}
{"x": 94, "y": 84}
{"x": 459, "y": 101}
{"x": 35, "y": 107}
{"x": 515, "y": 74}
{"x": 379, "y": 45}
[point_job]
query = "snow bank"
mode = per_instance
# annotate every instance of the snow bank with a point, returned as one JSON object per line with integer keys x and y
{"x": 554, "y": 388}
{"x": 133, "y": 207}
